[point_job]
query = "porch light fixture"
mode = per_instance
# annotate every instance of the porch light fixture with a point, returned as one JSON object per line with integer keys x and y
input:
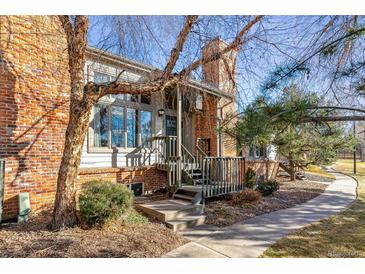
{"x": 161, "y": 112}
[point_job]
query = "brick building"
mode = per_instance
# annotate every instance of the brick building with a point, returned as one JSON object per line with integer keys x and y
{"x": 34, "y": 100}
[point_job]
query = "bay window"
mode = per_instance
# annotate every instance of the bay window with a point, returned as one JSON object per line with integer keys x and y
{"x": 131, "y": 127}
{"x": 101, "y": 121}
{"x": 119, "y": 124}
{"x": 146, "y": 125}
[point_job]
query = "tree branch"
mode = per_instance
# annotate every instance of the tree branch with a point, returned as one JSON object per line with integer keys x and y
{"x": 236, "y": 43}
{"x": 332, "y": 119}
{"x": 181, "y": 39}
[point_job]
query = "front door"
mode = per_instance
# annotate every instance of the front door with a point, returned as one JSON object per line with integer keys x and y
{"x": 170, "y": 125}
{"x": 170, "y": 129}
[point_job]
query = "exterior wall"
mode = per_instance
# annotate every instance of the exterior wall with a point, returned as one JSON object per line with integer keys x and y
{"x": 34, "y": 100}
{"x": 222, "y": 73}
{"x": 152, "y": 178}
{"x": 205, "y": 122}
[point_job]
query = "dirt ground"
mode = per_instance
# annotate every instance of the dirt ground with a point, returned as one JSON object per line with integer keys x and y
{"x": 221, "y": 213}
{"x": 114, "y": 240}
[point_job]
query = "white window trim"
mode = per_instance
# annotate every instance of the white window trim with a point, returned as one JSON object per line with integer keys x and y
{"x": 109, "y": 102}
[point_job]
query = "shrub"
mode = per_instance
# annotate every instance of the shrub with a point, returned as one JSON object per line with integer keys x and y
{"x": 245, "y": 196}
{"x": 102, "y": 200}
{"x": 268, "y": 187}
{"x": 250, "y": 178}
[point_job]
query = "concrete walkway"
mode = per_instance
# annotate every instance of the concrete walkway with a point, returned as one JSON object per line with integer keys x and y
{"x": 250, "y": 238}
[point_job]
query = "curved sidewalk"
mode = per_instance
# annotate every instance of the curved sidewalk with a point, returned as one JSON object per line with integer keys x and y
{"x": 252, "y": 237}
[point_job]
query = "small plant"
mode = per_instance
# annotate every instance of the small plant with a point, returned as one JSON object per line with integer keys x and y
{"x": 103, "y": 200}
{"x": 250, "y": 178}
{"x": 268, "y": 187}
{"x": 134, "y": 218}
{"x": 245, "y": 196}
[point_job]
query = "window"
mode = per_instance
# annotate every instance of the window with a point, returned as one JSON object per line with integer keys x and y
{"x": 101, "y": 77}
{"x": 146, "y": 125}
{"x": 257, "y": 152}
{"x": 117, "y": 126}
{"x": 131, "y": 98}
{"x": 122, "y": 121}
{"x": 101, "y": 121}
{"x": 137, "y": 188}
{"x": 131, "y": 127}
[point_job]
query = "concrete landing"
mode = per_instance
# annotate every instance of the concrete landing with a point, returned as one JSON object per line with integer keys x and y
{"x": 176, "y": 214}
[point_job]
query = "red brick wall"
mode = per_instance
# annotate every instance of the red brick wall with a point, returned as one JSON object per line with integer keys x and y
{"x": 34, "y": 99}
{"x": 152, "y": 178}
{"x": 206, "y": 122}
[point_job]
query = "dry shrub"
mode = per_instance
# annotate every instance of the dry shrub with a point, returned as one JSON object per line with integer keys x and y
{"x": 245, "y": 196}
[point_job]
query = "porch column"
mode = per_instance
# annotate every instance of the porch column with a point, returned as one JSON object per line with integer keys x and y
{"x": 178, "y": 131}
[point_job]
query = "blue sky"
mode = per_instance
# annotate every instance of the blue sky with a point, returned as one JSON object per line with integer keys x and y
{"x": 277, "y": 42}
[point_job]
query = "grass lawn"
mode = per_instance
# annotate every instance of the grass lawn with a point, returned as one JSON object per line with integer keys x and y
{"x": 341, "y": 235}
{"x": 316, "y": 170}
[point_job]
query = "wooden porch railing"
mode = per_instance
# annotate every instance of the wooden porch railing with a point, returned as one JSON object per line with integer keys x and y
{"x": 222, "y": 175}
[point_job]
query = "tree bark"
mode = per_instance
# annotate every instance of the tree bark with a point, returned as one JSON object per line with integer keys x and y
{"x": 291, "y": 169}
{"x": 64, "y": 213}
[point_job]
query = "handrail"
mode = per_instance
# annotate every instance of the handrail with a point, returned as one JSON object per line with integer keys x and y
{"x": 223, "y": 175}
{"x": 201, "y": 155}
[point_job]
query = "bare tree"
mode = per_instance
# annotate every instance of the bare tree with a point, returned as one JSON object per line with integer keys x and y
{"x": 84, "y": 96}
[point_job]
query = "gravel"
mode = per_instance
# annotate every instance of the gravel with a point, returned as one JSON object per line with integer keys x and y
{"x": 221, "y": 213}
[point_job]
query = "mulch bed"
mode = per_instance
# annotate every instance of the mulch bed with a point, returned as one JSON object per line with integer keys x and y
{"x": 221, "y": 213}
{"x": 33, "y": 239}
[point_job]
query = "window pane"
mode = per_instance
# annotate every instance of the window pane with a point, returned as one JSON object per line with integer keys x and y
{"x": 146, "y": 125}
{"x": 101, "y": 77}
{"x": 131, "y": 98}
{"x": 117, "y": 127}
{"x": 131, "y": 127}
{"x": 100, "y": 126}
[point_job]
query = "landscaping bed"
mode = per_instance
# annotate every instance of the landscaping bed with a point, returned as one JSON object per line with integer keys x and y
{"x": 115, "y": 239}
{"x": 221, "y": 212}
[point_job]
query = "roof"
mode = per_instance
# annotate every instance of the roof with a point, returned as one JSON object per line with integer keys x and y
{"x": 147, "y": 70}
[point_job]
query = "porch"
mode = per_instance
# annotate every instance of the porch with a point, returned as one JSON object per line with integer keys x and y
{"x": 192, "y": 175}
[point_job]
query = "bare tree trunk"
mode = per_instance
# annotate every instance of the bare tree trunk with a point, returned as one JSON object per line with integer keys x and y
{"x": 64, "y": 214}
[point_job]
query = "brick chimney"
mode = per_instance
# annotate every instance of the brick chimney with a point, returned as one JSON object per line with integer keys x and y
{"x": 222, "y": 74}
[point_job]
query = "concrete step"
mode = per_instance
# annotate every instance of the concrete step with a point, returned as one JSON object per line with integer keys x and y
{"x": 166, "y": 210}
{"x": 183, "y": 197}
{"x": 185, "y": 222}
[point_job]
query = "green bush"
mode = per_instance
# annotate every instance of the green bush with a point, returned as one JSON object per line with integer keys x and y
{"x": 103, "y": 200}
{"x": 250, "y": 178}
{"x": 245, "y": 196}
{"x": 268, "y": 187}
